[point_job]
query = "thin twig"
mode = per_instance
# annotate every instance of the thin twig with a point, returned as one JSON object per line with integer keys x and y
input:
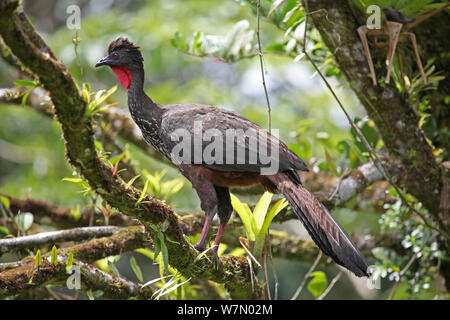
{"x": 401, "y": 273}
{"x": 250, "y": 264}
{"x": 261, "y": 62}
{"x": 266, "y": 274}
{"x": 52, "y": 293}
{"x": 244, "y": 244}
{"x": 331, "y": 285}
{"x": 302, "y": 284}
{"x": 338, "y": 185}
{"x": 274, "y": 272}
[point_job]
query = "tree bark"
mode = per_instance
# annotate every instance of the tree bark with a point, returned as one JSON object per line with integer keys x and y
{"x": 395, "y": 119}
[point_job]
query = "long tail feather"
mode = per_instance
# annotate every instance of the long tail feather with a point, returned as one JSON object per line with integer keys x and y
{"x": 320, "y": 224}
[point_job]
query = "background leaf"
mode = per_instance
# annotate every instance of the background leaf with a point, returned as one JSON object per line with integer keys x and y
{"x": 318, "y": 283}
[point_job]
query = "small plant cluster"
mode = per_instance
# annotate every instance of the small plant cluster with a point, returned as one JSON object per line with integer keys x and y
{"x": 418, "y": 266}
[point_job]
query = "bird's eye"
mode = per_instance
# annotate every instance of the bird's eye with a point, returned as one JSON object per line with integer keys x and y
{"x": 115, "y": 55}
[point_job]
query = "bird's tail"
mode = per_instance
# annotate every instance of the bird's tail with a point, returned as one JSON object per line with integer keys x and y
{"x": 320, "y": 224}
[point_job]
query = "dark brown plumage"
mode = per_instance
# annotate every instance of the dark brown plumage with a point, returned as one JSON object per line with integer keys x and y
{"x": 121, "y": 44}
{"x": 396, "y": 16}
{"x": 211, "y": 179}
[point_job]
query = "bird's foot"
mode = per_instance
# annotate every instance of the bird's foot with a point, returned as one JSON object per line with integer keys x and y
{"x": 200, "y": 247}
{"x": 217, "y": 263}
{"x": 205, "y": 252}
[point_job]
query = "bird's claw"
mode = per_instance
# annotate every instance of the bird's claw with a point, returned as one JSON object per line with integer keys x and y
{"x": 204, "y": 252}
{"x": 200, "y": 247}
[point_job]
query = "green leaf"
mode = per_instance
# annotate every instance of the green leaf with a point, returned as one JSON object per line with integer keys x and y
{"x": 246, "y": 216}
{"x": 100, "y": 97}
{"x": 289, "y": 14}
{"x": 261, "y": 236}
{"x": 356, "y": 150}
{"x": 171, "y": 287}
{"x": 330, "y": 163}
{"x": 164, "y": 251}
{"x": 82, "y": 184}
{"x": 197, "y": 43}
{"x": 113, "y": 268}
{"x": 178, "y": 42}
{"x": 276, "y": 209}
{"x": 144, "y": 192}
{"x": 76, "y": 213}
{"x": 202, "y": 255}
{"x": 4, "y": 230}
{"x": 38, "y": 259}
{"x": 155, "y": 280}
{"x": 146, "y": 252}
{"x": 130, "y": 183}
{"x": 157, "y": 244}
{"x": 90, "y": 294}
{"x": 275, "y": 5}
{"x": 69, "y": 262}
{"x": 5, "y": 202}
{"x": 25, "y": 83}
{"x": 25, "y": 97}
{"x": 136, "y": 269}
{"x": 318, "y": 283}
{"x": 275, "y": 47}
{"x": 260, "y": 211}
{"x": 54, "y": 260}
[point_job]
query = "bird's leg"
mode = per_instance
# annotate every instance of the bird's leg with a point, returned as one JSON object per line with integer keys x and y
{"x": 208, "y": 198}
{"x": 362, "y": 31}
{"x": 224, "y": 211}
{"x": 412, "y": 36}
{"x": 393, "y": 29}
{"x": 201, "y": 244}
{"x": 218, "y": 237}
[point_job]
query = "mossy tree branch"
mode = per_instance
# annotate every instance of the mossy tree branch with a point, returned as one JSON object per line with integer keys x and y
{"x": 29, "y": 276}
{"x": 122, "y": 240}
{"x": 53, "y": 237}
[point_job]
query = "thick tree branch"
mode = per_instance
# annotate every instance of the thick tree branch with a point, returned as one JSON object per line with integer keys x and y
{"x": 53, "y": 237}
{"x": 12, "y": 60}
{"x": 22, "y": 275}
{"x": 122, "y": 240}
{"x": 28, "y": 276}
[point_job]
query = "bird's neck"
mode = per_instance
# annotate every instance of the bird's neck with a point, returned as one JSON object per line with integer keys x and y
{"x": 141, "y": 106}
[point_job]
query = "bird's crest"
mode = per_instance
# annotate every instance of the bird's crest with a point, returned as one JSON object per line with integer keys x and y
{"x": 122, "y": 43}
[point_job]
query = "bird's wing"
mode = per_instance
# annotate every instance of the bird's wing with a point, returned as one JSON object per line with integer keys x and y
{"x": 222, "y": 140}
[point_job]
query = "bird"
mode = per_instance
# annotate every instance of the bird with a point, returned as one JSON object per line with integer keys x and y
{"x": 165, "y": 126}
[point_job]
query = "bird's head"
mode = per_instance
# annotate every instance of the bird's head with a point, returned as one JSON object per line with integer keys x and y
{"x": 124, "y": 58}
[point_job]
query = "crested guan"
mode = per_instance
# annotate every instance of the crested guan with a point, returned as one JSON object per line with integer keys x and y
{"x": 163, "y": 126}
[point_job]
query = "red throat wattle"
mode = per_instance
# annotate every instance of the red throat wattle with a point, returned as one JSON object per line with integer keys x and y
{"x": 124, "y": 75}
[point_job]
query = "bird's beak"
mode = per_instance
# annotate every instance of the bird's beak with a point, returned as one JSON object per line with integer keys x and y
{"x": 103, "y": 61}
